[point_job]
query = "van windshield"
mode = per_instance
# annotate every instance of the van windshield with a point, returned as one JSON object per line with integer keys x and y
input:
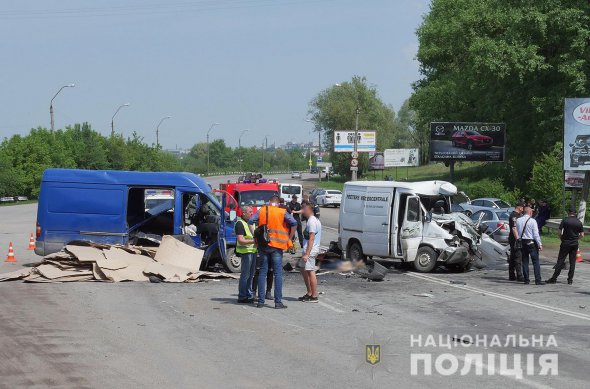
{"x": 291, "y": 189}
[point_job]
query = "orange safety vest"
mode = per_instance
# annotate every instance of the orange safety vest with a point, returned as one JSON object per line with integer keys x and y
{"x": 278, "y": 230}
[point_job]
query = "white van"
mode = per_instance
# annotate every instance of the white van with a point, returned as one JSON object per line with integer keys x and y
{"x": 407, "y": 221}
{"x": 287, "y": 190}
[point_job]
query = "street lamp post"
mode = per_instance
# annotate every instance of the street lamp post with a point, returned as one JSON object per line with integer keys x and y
{"x": 113, "y": 118}
{"x": 319, "y": 147}
{"x": 355, "y": 148}
{"x": 158, "y": 130}
{"x": 264, "y": 147}
{"x": 210, "y": 128}
{"x": 240, "y": 147}
{"x": 51, "y": 104}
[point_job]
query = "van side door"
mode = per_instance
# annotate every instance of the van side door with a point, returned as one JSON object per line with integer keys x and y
{"x": 376, "y": 222}
{"x": 411, "y": 231}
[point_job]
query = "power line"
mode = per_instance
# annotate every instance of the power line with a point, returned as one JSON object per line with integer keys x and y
{"x": 152, "y": 9}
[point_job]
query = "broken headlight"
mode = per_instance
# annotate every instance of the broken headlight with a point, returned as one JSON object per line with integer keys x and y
{"x": 455, "y": 241}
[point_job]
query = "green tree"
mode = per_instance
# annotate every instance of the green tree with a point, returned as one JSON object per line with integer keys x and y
{"x": 509, "y": 61}
{"x": 547, "y": 177}
{"x": 335, "y": 109}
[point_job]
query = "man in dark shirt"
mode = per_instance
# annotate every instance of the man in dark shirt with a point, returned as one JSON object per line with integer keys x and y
{"x": 570, "y": 231}
{"x": 515, "y": 259}
{"x": 294, "y": 208}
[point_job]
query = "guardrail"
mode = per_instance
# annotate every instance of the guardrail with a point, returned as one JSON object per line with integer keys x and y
{"x": 553, "y": 224}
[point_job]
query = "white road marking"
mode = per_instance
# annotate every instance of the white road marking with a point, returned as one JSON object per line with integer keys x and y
{"x": 326, "y": 305}
{"x": 330, "y": 228}
{"x": 502, "y": 296}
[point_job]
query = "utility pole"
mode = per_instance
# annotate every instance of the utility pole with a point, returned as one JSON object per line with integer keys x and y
{"x": 264, "y": 148}
{"x": 210, "y": 128}
{"x": 354, "y": 169}
{"x": 51, "y": 104}
{"x": 240, "y": 148}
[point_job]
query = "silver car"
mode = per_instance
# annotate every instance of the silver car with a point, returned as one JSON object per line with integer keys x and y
{"x": 296, "y": 175}
{"x": 485, "y": 203}
{"x": 495, "y": 223}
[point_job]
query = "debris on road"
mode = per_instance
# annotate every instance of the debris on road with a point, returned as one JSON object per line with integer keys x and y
{"x": 424, "y": 295}
{"x": 374, "y": 272}
{"x": 173, "y": 261}
{"x": 458, "y": 282}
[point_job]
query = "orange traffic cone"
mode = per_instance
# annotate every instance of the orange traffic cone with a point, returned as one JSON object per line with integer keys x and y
{"x": 10, "y": 257}
{"x": 579, "y": 256}
{"x": 31, "y": 243}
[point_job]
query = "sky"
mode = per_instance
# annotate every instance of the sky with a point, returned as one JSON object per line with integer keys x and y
{"x": 246, "y": 64}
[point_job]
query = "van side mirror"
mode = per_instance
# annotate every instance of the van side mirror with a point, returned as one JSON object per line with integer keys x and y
{"x": 232, "y": 215}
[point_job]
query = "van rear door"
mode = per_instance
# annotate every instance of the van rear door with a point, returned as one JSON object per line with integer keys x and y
{"x": 377, "y": 221}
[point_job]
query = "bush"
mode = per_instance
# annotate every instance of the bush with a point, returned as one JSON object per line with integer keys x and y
{"x": 547, "y": 178}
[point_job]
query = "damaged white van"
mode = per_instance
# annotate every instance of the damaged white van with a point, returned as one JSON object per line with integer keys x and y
{"x": 407, "y": 221}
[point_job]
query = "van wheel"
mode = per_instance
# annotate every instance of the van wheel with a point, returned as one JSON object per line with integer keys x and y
{"x": 233, "y": 263}
{"x": 425, "y": 261}
{"x": 355, "y": 253}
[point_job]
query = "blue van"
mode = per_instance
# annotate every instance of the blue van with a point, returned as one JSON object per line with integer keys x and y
{"x": 121, "y": 207}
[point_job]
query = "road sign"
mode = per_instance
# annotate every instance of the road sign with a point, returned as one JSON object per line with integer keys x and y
{"x": 354, "y": 169}
{"x": 324, "y": 164}
{"x": 354, "y": 154}
{"x": 354, "y": 162}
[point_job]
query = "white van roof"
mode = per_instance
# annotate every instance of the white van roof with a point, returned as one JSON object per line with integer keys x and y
{"x": 426, "y": 188}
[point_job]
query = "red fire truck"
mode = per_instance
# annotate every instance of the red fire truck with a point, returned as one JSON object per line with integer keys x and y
{"x": 252, "y": 192}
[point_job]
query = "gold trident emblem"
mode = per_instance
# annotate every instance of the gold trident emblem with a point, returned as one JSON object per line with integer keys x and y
{"x": 373, "y": 354}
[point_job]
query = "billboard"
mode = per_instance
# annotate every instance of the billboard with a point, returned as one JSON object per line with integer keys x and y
{"x": 574, "y": 179}
{"x": 401, "y": 157}
{"x": 576, "y": 134}
{"x": 466, "y": 141}
{"x": 344, "y": 141}
{"x": 376, "y": 161}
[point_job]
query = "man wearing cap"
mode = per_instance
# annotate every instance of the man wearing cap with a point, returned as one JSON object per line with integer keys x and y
{"x": 570, "y": 231}
{"x": 281, "y": 229}
{"x": 295, "y": 210}
{"x": 515, "y": 259}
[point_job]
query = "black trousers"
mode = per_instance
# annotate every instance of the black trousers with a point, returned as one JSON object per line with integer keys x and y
{"x": 300, "y": 232}
{"x": 529, "y": 250}
{"x": 564, "y": 251}
{"x": 514, "y": 263}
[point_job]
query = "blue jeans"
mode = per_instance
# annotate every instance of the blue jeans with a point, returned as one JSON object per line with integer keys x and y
{"x": 530, "y": 250}
{"x": 276, "y": 256}
{"x": 246, "y": 276}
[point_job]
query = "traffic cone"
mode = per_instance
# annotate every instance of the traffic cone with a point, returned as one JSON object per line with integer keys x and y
{"x": 31, "y": 243}
{"x": 10, "y": 257}
{"x": 579, "y": 256}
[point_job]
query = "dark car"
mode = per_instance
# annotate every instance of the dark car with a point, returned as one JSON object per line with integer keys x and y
{"x": 579, "y": 152}
{"x": 472, "y": 140}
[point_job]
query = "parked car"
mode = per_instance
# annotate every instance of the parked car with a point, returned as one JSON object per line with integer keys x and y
{"x": 314, "y": 194}
{"x": 495, "y": 223}
{"x": 471, "y": 140}
{"x": 486, "y": 203}
{"x": 296, "y": 175}
{"x": 329, "y": 197}
{"x": 580, "y": 151}
{"x": 313, "y": 170}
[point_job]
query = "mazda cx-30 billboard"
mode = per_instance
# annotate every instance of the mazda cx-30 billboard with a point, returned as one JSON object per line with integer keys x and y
{"x": 467, "y": 141}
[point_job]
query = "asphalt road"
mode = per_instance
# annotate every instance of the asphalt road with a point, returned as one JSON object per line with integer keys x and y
{"x": 195, "y": 335}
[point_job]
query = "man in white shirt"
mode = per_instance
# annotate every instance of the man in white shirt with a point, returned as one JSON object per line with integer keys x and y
{"x": 528, "y": 231}
{"x": 312, "y": 237}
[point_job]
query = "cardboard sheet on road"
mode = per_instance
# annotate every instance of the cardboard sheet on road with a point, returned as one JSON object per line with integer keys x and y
{"x": 173, "y": 261}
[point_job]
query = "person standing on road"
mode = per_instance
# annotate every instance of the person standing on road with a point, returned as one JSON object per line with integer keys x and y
{"x": 311, "y": 248}
{"x": 295, "y": 210}
{"x": 246, "y": 249}
{"x": 316, "y": 208}
{"x": 570, "y": 231}
{"x": 281, "y": 229}
{"x": 528, "y": 231}
{"x": 515, "y": 259}
{"x": 543, "y": 215}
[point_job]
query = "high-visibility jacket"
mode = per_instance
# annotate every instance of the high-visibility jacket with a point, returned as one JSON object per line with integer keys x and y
{"x": 278, "y": 230}
{"x": 247, "y": 248}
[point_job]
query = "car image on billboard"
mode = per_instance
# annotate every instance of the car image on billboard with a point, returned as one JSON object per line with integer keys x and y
{"x": 466, "y": 141}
